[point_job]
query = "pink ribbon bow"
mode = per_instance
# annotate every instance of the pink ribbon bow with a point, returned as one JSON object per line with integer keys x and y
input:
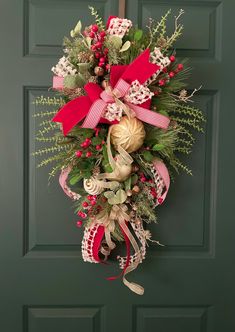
{"x": 92, "y": 106}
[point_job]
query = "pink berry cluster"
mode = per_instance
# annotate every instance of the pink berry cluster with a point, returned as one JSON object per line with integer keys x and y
{"x": 100, "y": 52}
{"x": 170, "y": 74}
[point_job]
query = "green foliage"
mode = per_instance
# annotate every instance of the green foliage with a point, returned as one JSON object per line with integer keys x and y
{"x": 98, "y": 19}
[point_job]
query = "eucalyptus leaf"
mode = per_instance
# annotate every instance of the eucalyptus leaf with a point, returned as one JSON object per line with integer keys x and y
{"x": 73, "y": 180}
{"x": 134, "y": 179}
{"x": 78, "y": 27}
{"x": 74, "y": 81}
{"x": 116, "y": 41}
{"x": 138, "y": 35}
{"x": 148, "y": 156}
{"x": 158, "y": 147}
{"x": 117, "y": 198}
{"x": 125, "y": 46}
{"x": 88, "y": 42}
{"x": 83, "y": 67}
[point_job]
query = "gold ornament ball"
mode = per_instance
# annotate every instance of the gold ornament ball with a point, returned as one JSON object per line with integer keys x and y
{"x": 129, "y": 133}
{"x": 99, "y": 71}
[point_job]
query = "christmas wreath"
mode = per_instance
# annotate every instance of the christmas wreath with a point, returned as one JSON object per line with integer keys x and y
{"x": 123, "y": 119}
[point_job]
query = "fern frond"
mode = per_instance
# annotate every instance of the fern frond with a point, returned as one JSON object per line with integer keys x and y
{"x": 51, "y": 126}
{"x": 45, "y": 114}
{"x": 49, "y": 101}
{"x": 52, "y": 149}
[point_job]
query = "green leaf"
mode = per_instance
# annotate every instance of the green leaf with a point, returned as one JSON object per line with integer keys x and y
{"x": 138, "y": 35}
{"x": 116, "y": 41}
{"x": 117, "y": 198}
{"x": 96, "y": 140}
{"x": 158, "y": 147}
{"x": 125, "y": 46}
{"x": 163, "y": 112}
{"x": 74, "y": 81}
{"x": 74, "y": 179}
{"x": 86, "y": 132}
{"x": 88, "y": 41}
{"x": 78, "y": 27}
{"x": 134, "y": 179}
{"x": 83, "y": 67}
{"x": 148, "y": 156}
{"x": 127, "y": 184}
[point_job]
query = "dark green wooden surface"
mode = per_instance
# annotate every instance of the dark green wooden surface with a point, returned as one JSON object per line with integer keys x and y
{"x": 44, "y": 284}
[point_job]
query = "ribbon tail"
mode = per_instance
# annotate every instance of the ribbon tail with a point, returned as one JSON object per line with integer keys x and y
{"x": 150, "y": 117}
{"x": 136, "y": 288}
{"x": 58, "y": 82}
{"x": 72, "y": 113}
{"x": 128, "y": 255}
{"x": 162, "y": 170}
{"x": 63, "y": 183}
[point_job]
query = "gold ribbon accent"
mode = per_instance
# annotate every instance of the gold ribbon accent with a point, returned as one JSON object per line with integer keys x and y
{"x": 119, "y": 214}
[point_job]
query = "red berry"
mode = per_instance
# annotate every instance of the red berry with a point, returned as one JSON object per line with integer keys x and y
{"x": 98, "y": 45}
{"x": 78, "y": 153}
{"x": 160, "y": 200}
{"x": 97, "y": 55}
{"x": 98, "y": 147}
{"x": 85, "y": 204}
{"x": 108, "y": 67}
{"x": 91, "y": 34}
{"x": 88, "y": 140}
{"x": 102, "y": 34}
{"x": 176, "y": 71}
{"x": 143, "y": 179}
{"x": 82, "y": 215}
{"x": 103, "y": 142}
{"x": 171, "y": 74}
{"x": 102, "y": 59}
{"x": 79, "y": 223}
{"x": 180, "y": 66}
{"x": 93, "y": 47}
{"x": 106, "y": 51}
{"x": 101, "y": 64}
{"x": 156, "y": 93}
{"x": 88, "y": 154}
{"x": 93, "y": 202}
{"x": 95, "y": 28}
{"x": 89, "y": 197}
{"x": 84, "y": 145}
{"x": 164, "y": 70}
{"x": 172, "y": 58}
{"x": 161, "y": 82}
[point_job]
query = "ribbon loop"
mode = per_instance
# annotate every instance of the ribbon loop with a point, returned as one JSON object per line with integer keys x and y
{"x": 92, "y": 107}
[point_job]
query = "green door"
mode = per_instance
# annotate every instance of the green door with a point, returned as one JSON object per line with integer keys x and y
{"x": 44, "y": 284}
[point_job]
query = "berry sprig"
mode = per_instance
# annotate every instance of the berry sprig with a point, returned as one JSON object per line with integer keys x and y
{"x": 98, "y": 48}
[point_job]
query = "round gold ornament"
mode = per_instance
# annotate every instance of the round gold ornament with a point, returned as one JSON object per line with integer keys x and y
{"x": 129, "y": 133}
